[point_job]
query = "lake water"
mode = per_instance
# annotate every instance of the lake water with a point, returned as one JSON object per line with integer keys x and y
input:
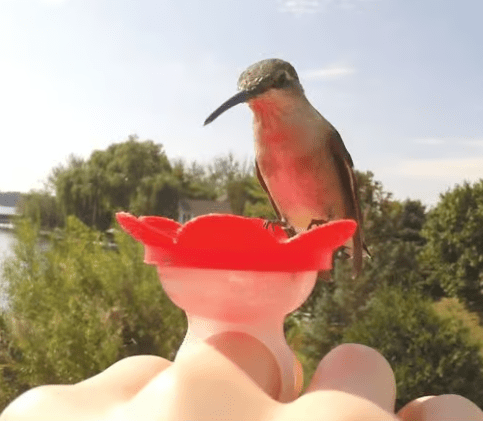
{"x": 6, "y": 244}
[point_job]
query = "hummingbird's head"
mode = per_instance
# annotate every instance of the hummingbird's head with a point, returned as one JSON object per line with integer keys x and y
{"x": 267, "y": 74}
{"x": 258, "y": 79}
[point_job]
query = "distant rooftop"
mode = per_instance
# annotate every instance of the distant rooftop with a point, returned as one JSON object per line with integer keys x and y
{"x": 202, "y": 207}
{"x": 191, "y": 208}
{"x": 9, "y": 199}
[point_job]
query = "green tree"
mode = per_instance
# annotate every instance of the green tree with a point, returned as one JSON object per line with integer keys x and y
{"x": 157, "y": 195}
{"x": 193, "y": 181}
{"x": 257, "y": 203}
{"x": 113, "y": 179}
{"x": 10, "y": 384}
{"x": 76, "y": 306}
{"x": 453, "y": 308}
{"x": 126, "y": 165}
{"x": 223, "y": 177}
{"x": 395, "y": 244}
{"x": 452, "y": 258}
{"x": 41, "y": 208}
{"x": 224, "y": 170}
{"x": 430, "y": 355}
{"x": 391, "y": 229}
{"x": 72, "y": 190}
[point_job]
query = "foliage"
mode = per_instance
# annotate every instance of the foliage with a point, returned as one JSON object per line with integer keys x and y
{"x": 157, "y": 195}
{"x": 333, "y": 306}
{"x": 391, "y": 229}
{"x": 452, "y": 258}
{"x": 126, "y": 175}
{"x": 10, "y": 385}
{"x": 257, "y": 203}
{"x": 429, "y": 355}
{"x": 89, "y": 305}
{"x": 76, "y": 306}
{"x": 223, "y": 177}
{"x": 193, "y": 181}
{"x": 224, "y": 170}
{"x": 41, "y": 208}
{"x": 137, "y": 177}
{"x": 452, "y": 308}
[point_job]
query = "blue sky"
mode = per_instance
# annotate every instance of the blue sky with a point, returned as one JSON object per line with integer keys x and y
{"x": 402, "y": 81}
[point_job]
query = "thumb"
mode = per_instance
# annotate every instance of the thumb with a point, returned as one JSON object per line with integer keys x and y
{"x": 252, "y": 356}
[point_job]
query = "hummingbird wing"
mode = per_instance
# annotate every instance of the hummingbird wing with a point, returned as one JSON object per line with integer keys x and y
{"x": 264, "y": 187}
{"x": 345, "y": 168}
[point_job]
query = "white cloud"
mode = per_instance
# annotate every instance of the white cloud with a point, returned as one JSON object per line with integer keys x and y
{"x": 300, "y": 7}
{"x": 303, "y": 7}
{"x": 52, "y": 2}
{"x": 426, "y": 179}
{"x": 432, "y": 141}
{"x": 46, "y": 2}
{"x": 452, "y": 170}
{"x": 437, "y": 141}
{"x": 331, "y": 72}
{"x": 474, "y": 142}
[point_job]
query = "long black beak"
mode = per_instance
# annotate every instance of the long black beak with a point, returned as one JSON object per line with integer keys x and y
{"x": 236, "y": 99}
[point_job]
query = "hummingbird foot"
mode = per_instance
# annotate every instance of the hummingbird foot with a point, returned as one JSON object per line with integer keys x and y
{"x": 290, "y": 231}
{"x": 316, "y": 223}
{"x": 344, "y": 252}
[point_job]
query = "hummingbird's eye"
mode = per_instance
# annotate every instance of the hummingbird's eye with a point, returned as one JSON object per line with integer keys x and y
{"x": 281, "y": 80}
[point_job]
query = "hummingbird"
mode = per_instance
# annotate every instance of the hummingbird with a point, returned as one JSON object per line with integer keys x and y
{"x": 300, "y": 159}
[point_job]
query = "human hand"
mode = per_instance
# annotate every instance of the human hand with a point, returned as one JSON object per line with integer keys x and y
{"x": 232, "y": 376}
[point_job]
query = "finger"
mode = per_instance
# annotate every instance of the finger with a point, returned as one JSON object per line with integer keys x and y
{"x": 118, "y": 384}
{"x": 252, "y": 356}
{"x": 139, "y": 369}
{"x": 206, "y": 385}
{"x": 441, "y": 408}
{"x": 358, "y": 370}
{"x": 335, "y": 406}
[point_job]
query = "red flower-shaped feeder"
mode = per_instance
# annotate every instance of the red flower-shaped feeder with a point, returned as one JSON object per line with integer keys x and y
{"x": 229, "y": 273}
